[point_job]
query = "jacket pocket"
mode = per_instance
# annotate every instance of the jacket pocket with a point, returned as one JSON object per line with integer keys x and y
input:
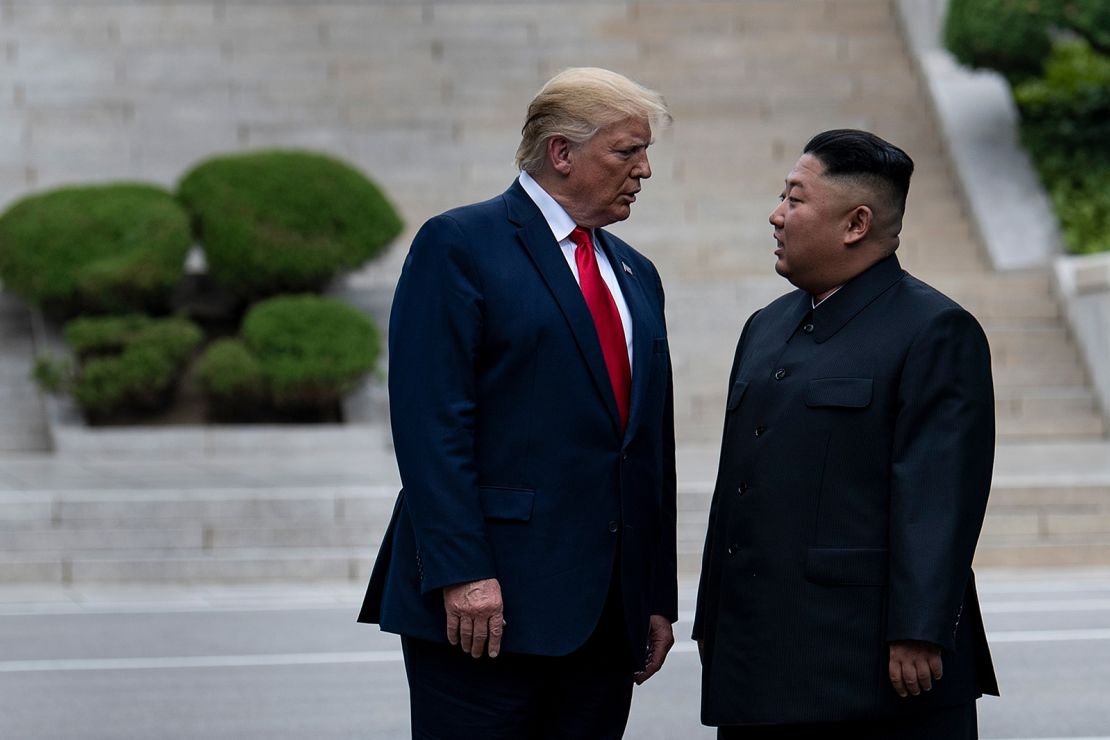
{"x": 851, "y": 393}
{"x": 847, "y": 566}
{"x": 736, "y": 393}
{"x": 507, "y": 503}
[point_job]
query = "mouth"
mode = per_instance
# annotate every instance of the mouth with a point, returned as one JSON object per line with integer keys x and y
{"x": 778, "y": 244}
{"x": 631, "y": 197}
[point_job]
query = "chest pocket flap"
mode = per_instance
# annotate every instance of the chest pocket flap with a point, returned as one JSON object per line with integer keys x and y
{"x": 851, "y": 393}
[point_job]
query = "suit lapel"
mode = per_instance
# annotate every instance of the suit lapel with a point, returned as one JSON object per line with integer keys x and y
{"x": 536, "y": 238}
{"x": 642, "y": 333}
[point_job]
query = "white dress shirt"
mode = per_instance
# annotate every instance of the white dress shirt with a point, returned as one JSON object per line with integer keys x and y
{"x": 561, "y": 224}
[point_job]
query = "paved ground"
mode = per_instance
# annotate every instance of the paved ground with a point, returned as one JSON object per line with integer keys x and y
{"x": 290, "y": 662}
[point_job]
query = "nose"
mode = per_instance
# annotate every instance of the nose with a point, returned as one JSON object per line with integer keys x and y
{"x": 642, "y": 170}
{"x": 775, "y": 218}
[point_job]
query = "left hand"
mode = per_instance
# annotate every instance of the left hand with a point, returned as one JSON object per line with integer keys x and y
{"x": 660, "y": 640}
{"x": 914, "y": 665}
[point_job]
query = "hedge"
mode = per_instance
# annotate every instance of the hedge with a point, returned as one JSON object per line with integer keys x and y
{"x": 285, "y": 221}
{"x": 1056, "y": 54}
{"x": 231, "y": 377}
{"x": 127, "y": 363}
{"x": 312, "y": 350}
{"x": 94, "y": 249}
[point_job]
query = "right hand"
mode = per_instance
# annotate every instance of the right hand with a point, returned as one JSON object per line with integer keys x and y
{"x": 475, "y": 616}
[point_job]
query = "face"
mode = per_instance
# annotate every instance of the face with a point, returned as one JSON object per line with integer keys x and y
{"x": 809, "y": 224}
{"x": 603, "y": 175}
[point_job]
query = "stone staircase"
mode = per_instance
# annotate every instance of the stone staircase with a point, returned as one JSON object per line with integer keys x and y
{"x": 428, "y": 98}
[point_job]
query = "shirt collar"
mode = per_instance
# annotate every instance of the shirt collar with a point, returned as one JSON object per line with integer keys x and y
{"x": 558, "y": 220}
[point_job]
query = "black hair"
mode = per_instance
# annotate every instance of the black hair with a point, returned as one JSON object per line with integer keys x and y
{"x": 862, "y": 155}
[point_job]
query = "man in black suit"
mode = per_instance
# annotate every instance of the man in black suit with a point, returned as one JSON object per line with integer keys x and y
{"x": 836, "y": 590}
{"x": 530, "y": 563}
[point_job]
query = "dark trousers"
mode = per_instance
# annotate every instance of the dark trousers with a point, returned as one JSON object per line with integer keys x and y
{"x": 944, "y": 723}
{"x": 582, "y": 696}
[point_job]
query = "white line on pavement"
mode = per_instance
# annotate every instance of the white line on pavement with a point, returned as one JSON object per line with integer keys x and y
{"x": 393, "y": 656}
{"x": 198, "y": 661}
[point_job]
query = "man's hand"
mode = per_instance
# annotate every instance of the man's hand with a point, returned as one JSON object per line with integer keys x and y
{"x": 660, "y": 640}
{"x": 914, "y": 665}
{"x": 475, "y": 615}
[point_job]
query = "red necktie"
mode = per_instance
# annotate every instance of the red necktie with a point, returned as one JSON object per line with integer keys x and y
{"x": 607, "y": 320}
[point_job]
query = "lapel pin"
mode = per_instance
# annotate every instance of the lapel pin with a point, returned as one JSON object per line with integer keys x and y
{"x": 626, "y": 268}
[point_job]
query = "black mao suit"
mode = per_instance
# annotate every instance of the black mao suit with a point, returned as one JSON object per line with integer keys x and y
{"x": 855, "y": 466}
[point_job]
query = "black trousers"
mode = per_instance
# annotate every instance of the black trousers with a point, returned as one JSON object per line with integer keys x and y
{"x": 945, "y": 723}
{"x": 582, "y": 696}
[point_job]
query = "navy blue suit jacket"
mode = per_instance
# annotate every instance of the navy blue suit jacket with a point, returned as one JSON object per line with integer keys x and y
{"x": 855, "y": 467}
{"x": 513, "y": 463}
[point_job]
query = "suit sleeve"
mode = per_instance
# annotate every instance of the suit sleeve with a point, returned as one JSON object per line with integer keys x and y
{"x": 666, "y": 591}
{"x": 435, "y": 332}
{"x": 941, "y": 475}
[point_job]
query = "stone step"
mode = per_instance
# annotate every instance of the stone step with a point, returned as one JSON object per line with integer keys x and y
{"x": 226, "y": 566}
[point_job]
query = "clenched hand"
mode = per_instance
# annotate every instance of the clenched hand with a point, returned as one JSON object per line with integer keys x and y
{"x": 475, "y": 616}
{"x": 914, "y": 665}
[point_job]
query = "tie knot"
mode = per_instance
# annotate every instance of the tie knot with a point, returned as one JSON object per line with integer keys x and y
{"x": 581, "y": 237}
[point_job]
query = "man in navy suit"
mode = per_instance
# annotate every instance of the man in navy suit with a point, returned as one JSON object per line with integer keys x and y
{"x": 836, "y": 595}
{"x": 530, "y": 565}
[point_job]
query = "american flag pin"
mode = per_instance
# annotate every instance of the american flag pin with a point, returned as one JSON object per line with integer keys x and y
{"x": 626, "y": 268}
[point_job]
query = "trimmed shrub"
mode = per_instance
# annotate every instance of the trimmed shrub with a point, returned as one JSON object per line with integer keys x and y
{"x": 285, "y": 221}
{"x": 231, "y": 377}
{"x": 95, "y": 249}
{"x": 312, "y": 350}
{"x": 1065, "y": 124}
{"x": 125, "y": 363}
{"x": 1010, "y": 36}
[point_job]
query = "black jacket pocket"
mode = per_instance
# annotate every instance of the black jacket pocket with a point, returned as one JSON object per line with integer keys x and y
{"x": 507, "y": 503}
{"x": 847, "y": 566}
{"x": 736, "y": 393}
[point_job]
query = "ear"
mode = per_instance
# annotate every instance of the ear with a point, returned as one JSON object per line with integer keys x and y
{"x": 858, "y": 225}
{"x": 559, "y": 154}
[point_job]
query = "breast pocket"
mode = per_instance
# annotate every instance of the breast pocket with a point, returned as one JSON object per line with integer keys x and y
{"x": 846, "y": 393}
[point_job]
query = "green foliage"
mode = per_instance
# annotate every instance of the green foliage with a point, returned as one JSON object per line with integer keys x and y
{"x": 285, "y": 221}
{"x": 1066, "y": 126}
{"x": 128, "y": 362}
{"x": 231, "y": 376}
{"x": 312, "y": 350}
{"x": 1056, "y": 54}
{"x": 1010, "y": 36}
{"x": 52, "y": 374}
{"x": 94, "y": 249}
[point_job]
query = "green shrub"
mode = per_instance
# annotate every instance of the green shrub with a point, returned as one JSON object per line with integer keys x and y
{"x": 94, "y": 249}
{"x": 312, "y": 350}
{"x": 285, "y": 221}
{"x": 231, "y": 377}
{"x": 1065, "y": 124}
{"x": 1010, "y": 36}
{"x": 128, "y": 363}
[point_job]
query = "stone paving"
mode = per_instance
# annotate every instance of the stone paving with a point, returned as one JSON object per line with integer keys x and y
{"x": 427, "y": 97}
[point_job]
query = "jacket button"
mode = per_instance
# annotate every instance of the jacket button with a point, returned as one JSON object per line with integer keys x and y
{"x": 780, "y": 373}
{"x": 808, "y": 328}
{"x": 759, "y": 430}
{"x": 743, "y": 488}
{"x": 613, "y": 527}
{"x": 733, "y": 549}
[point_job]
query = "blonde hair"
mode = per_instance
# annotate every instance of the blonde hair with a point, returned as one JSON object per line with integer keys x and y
{"x": 578, "y": 102}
